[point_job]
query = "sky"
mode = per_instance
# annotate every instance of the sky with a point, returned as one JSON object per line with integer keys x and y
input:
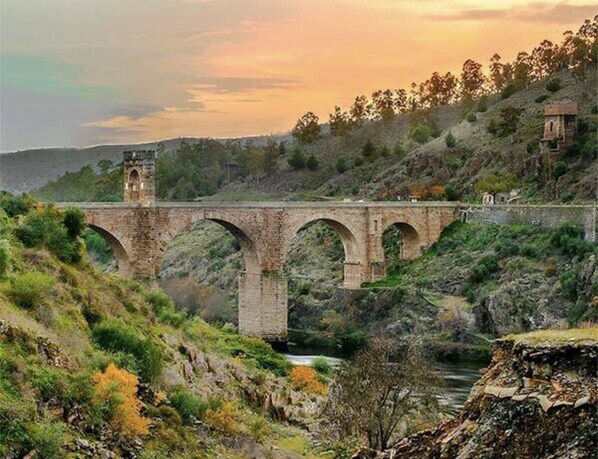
{"x": 88, "y": 72}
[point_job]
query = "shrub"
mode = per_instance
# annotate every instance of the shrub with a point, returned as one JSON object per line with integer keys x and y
{"x": 14, "y": 205}
{"x": 569, "y": 240}
{"x": 385, "y": 151}
{"x": 450, "y": 192}
{"x": 421, "y": 134}
{"x": 74, "y": 221}
{"x": 482, "y": 105}
{"x": 358, "y": 161}
{"x": 492, "y": 127}
{"x": 486, "y": 266}
{"x": 560, "y": 169}
{"x": 305, "y": 379}
{"x": 297, "y": 159}
{"x": 595, "y": 109}
{"x": 568, "y": 282}
{"x": 222, "y": 419}
{"x": 115, "y": 391}
{"x": 450, "y": 140}
{"x": 29, "y": 288}
{"x": 47, "y": 439}
{"x": 262, "y": 354}
{"x": 576, "y": 312}
{"x": 189, "y": 406}
{"x": 551, "y": 267}
{"x": 4, "y": 257}
{"x": 341, "y": 165}
{"x": 554, "y": 85}
{"x": 541, "y": 98}
{"x": 508, "y": 91}
{"x": 259, "y": 429}
{"x": 322, "y": 366}
{"x": 312, "y": 163}
{"x": 398, "y": 149}
{"x": 368, "y": 150}
{"x": 471, "y": 117}
{"x": 115, "y": 336}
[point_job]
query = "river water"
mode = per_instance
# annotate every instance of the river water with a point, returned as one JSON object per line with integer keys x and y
{"x": 458, "y": 377}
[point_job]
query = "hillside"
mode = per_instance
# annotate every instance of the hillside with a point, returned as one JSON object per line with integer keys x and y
{"x": 95, "y": 366}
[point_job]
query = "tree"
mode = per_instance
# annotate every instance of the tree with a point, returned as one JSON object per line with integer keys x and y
{"x": 421, "y": 134}
{"x": 554, "y": 85}
{"x": 472, "y": 80}
{"x": 450, "y": 192}
{"x": 497, "y": 75}
{"x": 74, "y": 221}
{"x": 372, "y": 393}
{"x": 368, "y": 150}
{"x": 509, "y": 118}
{"x": 307, "y": 129}
{"x": 312, "y": 163}
{"x": 383, "y": 105}
{"x": 340, "y": 122}
{"x": 450, "y": 140}
{"x": 522, "y": 70}
{"x": 282, "y": 149}
{"x": 341, "y": 165}
{"x": 360, "y": 110}
{"x": 297, "y": 159}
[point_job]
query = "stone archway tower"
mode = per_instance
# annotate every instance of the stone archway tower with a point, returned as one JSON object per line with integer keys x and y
{"x": 140, "y": 177}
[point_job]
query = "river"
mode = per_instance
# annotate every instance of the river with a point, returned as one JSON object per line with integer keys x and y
{"x": 458, "y": 377}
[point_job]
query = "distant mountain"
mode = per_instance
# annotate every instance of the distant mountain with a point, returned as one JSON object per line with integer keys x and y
{"x": 27, "y": 170}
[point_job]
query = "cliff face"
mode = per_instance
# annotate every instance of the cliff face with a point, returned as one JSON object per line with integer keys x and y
{"x": 535, "y": 400}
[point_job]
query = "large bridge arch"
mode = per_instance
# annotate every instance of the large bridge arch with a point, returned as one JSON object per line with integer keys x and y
{"x": 115, "y": 243}
{"x": 355, "y": 254}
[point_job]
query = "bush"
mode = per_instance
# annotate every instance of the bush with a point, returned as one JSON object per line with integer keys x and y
{"x": 74, "y": 221}
{"x": 115, "y": 392}
{"x": 341, "y": 165}
{"x": 541, "y": 98}
{"x": 450, "y": 192}
{"x": 305, "y": 379}
{"x": 47, "y": 439}
{"x": 115, "y": 336}
{"x": 358, "y": 161}
{"x": 29, "y": 288}
{"x": 322, "y": 366}
{"x": 486, "y": 266}
{"x": 450, "y": 140}
{"x": 560, "y": 169}
{"x": 482, "y": 105}
{"x": 569, "y": 282}
{"x": 398, "y": 149}
{"x": 576, "y": 312}
{"x": 4, "y": 257}
{"x": 222, "y": 419}
{"x": 312, "y": 163}
{"x": 14, "y": 205}
{"x": 47, "y": 229}
{"x": 554, "y": 85}
{"x": 189, "y": 406}
{"x": 471, "y": 117}
{"x": 421, "y": 134}
{"x": 385, "y": 151}
{"x": 259, "y": 429}
{"x": 569, "y": 240}
{"x": 508, "y": 91}
{"x": 297, "y": 159}
{"x": 492, "y": 127}
{"x": 368, "y": 150}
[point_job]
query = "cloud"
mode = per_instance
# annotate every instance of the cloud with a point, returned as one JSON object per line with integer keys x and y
{"x": 559, "y": 13}
{"x": 236, "y": 85}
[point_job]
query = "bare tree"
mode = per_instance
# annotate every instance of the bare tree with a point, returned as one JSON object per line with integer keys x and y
{"x": 373, "y": 393}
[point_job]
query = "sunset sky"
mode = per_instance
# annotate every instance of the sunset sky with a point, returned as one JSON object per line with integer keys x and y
{"x": 84, "y": 72}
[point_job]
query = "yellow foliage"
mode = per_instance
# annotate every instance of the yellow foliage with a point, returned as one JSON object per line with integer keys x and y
{"x": 159, "y": 398}
{"x": 119, "y": 388}
{"x": 306, "y": 379}
{"x": 222, "y": 420}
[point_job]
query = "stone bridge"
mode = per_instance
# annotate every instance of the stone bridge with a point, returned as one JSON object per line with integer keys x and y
{"x": 139, "y": 235}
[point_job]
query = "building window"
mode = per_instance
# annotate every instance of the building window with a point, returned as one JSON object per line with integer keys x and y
{"x": 551, "y": 126}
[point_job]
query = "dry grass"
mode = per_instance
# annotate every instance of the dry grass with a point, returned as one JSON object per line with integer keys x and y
{"x": 586, "y": 334}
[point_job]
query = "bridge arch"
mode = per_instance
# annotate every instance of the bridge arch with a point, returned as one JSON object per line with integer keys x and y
{"x": 409, "y": 239}
{"x": 354, "y": 252}
{"x": 121, "y": 254}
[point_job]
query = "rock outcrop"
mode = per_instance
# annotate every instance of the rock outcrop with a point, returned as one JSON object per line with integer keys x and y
{"x": 534, "y": 401}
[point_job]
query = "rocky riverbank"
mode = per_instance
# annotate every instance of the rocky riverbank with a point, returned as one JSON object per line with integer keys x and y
{"x": 537, "y": 399}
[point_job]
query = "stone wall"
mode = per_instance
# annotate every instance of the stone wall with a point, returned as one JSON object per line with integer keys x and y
{"x": 540, "y": 216}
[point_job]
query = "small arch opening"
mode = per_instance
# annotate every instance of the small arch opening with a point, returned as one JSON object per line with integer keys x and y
{"x": 134, "y": 184}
